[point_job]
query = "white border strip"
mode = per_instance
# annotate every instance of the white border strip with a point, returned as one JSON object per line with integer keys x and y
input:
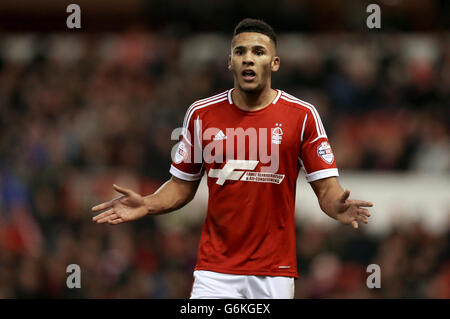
{"x": 277, "y": 97}
{"x": 329, "y": 172}
{"x": 279, "y": 92}
{"x": 185, "y": 176}
{"x": 230, "y": 100}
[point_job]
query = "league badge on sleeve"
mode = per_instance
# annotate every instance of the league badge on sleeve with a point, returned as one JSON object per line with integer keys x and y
{"x": 325, "y": 152}
{"x": 181, "y": 153}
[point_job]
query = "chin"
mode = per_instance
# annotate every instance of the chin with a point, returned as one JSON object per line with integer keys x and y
{"x": 250, "y": 87}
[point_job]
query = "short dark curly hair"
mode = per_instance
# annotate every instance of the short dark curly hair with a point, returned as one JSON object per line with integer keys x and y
{"x": 255, "y": 25}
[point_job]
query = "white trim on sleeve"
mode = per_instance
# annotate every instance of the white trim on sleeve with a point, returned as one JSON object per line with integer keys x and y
{"x": 185, "y": 176}
{"x": 314, "y": 176}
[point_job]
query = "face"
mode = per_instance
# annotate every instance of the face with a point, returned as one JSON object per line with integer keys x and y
{"x": 252, "y": 60}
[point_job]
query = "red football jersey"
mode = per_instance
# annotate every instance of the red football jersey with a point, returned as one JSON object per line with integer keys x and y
{"x": 252, "y": 160}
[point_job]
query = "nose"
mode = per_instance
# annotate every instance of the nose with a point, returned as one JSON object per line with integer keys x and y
{"x": 248, "y": 60}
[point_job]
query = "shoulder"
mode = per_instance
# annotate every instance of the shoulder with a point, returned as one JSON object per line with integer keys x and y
{"x": 296, "y": 103}
{"x": 206, "y": 103}
{"x": 220, "y": 96}
{"x": 309, "y": 111}
{"x": 212, "y": 100}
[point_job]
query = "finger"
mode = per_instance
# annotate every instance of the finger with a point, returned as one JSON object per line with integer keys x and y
{"x": 103, "y": 215}
{"x": 355, "y": 224}
{"x": 115, "y": 221}
{"x": 102, "y": 206}
{"x": 362, "y": 203}
{"x": 105, "y": 205}
{"x": 102, "y": 220}
{"x": 363, "y": 211}
{"x": 122, "y": 190}
{"x": 108, "y": 218}
{"x": 345, "y": 195}
{"x": 362, "y": 219}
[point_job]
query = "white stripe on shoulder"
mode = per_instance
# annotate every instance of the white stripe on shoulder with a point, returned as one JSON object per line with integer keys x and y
{"x": 312, "y": 112}
{"x": 210, "y": 98}
{"x": 319, "y": 128}
{"x": 199, "y": 102}
{"x": 188, "y": 119}
{"x": 318, "y": 137}
{"x": 312, "y": 107}
{"x": 303, "y": 128}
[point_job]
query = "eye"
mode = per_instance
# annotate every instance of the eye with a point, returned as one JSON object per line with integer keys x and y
{"x": 259, "y": 53}
{"x": 238, "y": 52}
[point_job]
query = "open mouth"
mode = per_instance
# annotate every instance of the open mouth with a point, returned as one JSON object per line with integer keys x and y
{"x": 248, "y": 75}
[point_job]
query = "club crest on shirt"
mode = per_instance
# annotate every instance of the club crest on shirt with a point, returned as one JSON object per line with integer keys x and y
{"x": 277, "y": 134}
{"x": 181, "y": 153}
{"x": 325, "y": 152}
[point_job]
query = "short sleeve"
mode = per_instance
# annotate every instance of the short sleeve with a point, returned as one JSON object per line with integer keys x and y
{"x": 316, "y": 156}
{"x": 187, "y": 155}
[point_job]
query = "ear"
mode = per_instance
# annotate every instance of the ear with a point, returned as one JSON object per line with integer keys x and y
{"x": 275, "y": 64}
{"x": 229, "y": 62}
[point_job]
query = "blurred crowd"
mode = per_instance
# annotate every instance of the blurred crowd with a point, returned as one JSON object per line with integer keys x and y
{"x": 143, "y": 261}
{"x": 78, "y": 112}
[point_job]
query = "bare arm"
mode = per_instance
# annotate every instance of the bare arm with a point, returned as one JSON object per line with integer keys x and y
{"x": 335, "y": 202}
{"x": 172, "y": 195}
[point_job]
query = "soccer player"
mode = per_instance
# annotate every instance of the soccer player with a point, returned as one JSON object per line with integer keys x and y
{"x": 251, "y": 141}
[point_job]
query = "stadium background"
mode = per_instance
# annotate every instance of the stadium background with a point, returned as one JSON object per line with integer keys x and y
{"x": 81, "y": 109}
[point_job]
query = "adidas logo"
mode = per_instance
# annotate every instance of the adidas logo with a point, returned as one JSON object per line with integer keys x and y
{"x": 220, "y": 136}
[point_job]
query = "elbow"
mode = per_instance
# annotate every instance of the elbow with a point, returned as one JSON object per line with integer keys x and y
{"x": 322, "y": 206}
{"x": 184, "y": 200}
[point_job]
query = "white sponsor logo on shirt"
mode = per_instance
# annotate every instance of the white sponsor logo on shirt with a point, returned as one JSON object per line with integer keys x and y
{"x": 230, "y": 172}
{"x": 204, "y": 145}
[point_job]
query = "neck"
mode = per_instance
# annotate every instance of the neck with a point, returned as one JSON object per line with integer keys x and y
{"x": 253, "y": 101}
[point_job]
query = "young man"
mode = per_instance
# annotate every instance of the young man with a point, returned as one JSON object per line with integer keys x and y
{"x": 251, "y": 141}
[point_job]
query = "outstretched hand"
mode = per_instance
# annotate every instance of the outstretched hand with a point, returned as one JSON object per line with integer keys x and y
{"x": 130, "y": 206}
{"x": 350, "y": 211}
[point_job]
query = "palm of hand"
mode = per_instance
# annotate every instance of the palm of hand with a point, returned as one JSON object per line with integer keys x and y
{"x": 128, "y": 207}
{"x": 352, "y": 211}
